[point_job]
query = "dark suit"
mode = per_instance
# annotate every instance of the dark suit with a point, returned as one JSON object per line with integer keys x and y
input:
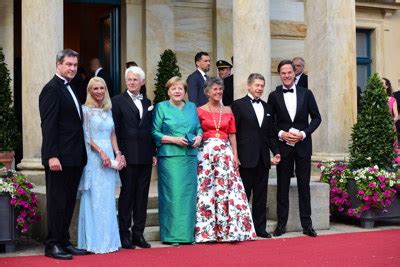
{"x": 136, "y": 144}
{"x": 253, "y": 144}
{"x": 300, "y": 154}
{"x": 227, "y": 97}
{"x": 62, "y": 133}
{"x": 195, "y": 83}
{"x": 303, "y": 81}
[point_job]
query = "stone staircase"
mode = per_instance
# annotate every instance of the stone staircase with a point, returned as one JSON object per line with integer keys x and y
{"x": 319, "y": 199}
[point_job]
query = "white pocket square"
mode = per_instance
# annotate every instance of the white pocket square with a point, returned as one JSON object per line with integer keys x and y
{"x": 150, "y": 108}
{"x": 268, "y": 114}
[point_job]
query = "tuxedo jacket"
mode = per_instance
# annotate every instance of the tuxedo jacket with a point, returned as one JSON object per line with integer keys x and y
{"x": 253, "y": 141}
{"x": 133, "y": 134}
{"x": 61, "y": 124}
{"x": 306, "y": 108}
{"x": 303, "y": 81}
{"x": 195, "y": 83}
{"x": 227, "y": 97}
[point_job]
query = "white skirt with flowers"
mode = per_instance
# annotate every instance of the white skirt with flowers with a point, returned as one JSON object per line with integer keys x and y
{"x": 222, "y": 209}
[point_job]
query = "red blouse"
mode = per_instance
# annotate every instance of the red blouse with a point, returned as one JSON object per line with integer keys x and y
{"x": 207, "y": 124}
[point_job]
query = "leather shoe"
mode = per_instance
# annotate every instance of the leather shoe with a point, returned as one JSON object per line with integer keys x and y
{"x": 140, "y": 242}
{"x": 56, "y": 252}
{"x": 309, "y": 231}
{"x": 126, "y": 242}
{"x": 75, "y": 251}
{"x": 279, "y": 230}
{"x": 264, "y": 234}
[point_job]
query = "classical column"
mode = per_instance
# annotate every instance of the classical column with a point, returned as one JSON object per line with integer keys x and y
{"x": 42, "y": 38}
{"x": 7, "y": 34}
{"x": 330, "y": 48}
{"x": 159, "y": 36}
{"x": 132, "y": 43}
{"x": 223, "y": 30}
{"x": 251, "y": 43}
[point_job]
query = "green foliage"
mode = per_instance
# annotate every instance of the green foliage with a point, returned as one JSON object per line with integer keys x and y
{"x": 373, "y": 135}
{"x": 167, "y": 68}
{"x": 9, "y": 134}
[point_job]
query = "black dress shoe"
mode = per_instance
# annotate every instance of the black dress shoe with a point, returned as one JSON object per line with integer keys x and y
{"x": 140, "y": 242}
{"x": 56, "y": 252}
{"x": 309, "y": 231}
{"x": 126, "y": 242}
{"x": 75, "y": 251}
{"x": 279, "y": 230}
{"x": 264, "y": 234}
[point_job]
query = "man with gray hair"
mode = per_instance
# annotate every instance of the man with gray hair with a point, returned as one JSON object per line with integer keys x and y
{"x": 132, "y": 113}
{"x": 301, "y": 79}
{"x": 63, "y": 153}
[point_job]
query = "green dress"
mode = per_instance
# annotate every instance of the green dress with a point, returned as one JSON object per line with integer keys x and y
{"x": 177, "y": 171}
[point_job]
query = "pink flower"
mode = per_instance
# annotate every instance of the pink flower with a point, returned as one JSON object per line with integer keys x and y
{"x": 371, "y": 185}
{"x": 13, "y": 201}
{"x": 20, "y": 219}
{"x": 387, "y": 193}
{"x": 360, "y": 192}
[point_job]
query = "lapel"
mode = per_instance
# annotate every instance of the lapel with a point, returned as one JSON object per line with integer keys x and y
{"x": 281, "y": 101}
{"x": 300, "y": 94}
{"x": 132, "y": 105}
{"x": 249, "y": 106}
{"x": 69, "y": 98}
{"x": 145, "y": 107}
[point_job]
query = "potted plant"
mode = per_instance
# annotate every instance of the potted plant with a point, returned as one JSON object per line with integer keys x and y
{"x": 167, "y": 68}
{"x": 367, "y": 187}
{"x": 9, "y": 134}
{"x": 18, "y": 206}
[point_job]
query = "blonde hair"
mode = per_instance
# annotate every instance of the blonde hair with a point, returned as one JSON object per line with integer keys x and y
{"x": 90, "y": 102}
{"x": 175, "y": 80}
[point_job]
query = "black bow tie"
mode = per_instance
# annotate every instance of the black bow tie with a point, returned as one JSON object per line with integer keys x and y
{"x": 288, "y": 91}
{"x": 255, "y": 100}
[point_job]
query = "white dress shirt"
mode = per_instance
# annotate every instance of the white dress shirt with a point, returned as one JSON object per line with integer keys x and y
{"x": 138, "y": 104}
{"x": 296, "y": 81}
{"x": 203, "y": 74}
{"x": 259, "y": 110}
{"x": 72, "y": 94}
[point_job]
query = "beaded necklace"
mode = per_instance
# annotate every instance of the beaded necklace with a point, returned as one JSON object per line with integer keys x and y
{"x": 217, "y": 134}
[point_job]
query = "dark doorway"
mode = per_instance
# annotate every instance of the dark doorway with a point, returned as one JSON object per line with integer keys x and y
{"x": 92, "y": 29}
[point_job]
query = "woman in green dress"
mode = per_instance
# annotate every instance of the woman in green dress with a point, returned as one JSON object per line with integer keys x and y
{"x": 177, "y": 133}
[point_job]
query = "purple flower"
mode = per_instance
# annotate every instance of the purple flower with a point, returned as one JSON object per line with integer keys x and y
{"x": 382, "y": 186}
{"x": 366, "y": 198}
{"x": 381, "y": 178}
{"x": 21, "y": 202}
{"x": 387, "y": 193}
{"x": 371, "y": 185}
{"x": 387, "y": 202}
{"x": 29, "y": 185}
{"x": 13, "y": 201}
{"x": 20, "y": 191}
{"x": 20, "y": 219}
{"x": 360, "y": 192}
{"x": 23, "y": 213}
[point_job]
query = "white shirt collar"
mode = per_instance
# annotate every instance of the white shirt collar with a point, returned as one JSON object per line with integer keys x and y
{"x": 62, "y": 78}
{"x": 97, "y": 71}
{"x": 202, "y": 72}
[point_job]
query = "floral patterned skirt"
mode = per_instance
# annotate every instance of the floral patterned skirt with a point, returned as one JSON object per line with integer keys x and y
{"x": 222, "y": 209}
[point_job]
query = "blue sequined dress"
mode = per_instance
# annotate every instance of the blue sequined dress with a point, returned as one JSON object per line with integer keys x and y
{"x": 98, "y": 227}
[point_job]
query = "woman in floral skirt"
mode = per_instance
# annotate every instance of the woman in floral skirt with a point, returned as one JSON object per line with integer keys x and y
{"x": 223, "y": 212}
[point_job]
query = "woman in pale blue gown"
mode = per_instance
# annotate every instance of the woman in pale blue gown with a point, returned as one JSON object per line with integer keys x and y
{"x": 98, "y": 227}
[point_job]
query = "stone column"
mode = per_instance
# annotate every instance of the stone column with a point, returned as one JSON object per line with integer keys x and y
{"x": 132, "y": 43}
{"x": 159, "y": 36}
{"x": 42, "y": 38}
{"x": 7, "y": 34}
{"x": 330, "y": 49}
{"x": 251, "y": 43}
{"x": 223, "y": 30}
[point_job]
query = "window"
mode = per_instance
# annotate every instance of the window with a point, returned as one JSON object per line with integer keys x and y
{"x": 364, "y": 60}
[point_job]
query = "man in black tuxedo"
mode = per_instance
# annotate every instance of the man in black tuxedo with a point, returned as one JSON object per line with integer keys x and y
{"x": 132, "y": 115}
{"x": 255, "y": 137}
{"x": 292, "y": 106}
{"x": 63, "y": 153}
{"x": 195, "y": 81}
{"x": 98, "y": 71}
{"x": 301, "y": 78}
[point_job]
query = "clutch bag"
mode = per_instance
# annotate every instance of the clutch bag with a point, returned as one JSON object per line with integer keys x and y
{"x": 191, "y": 138}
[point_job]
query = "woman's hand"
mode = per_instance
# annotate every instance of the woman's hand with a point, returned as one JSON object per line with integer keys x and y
{"x": 276, "y": 159}
{"x": 197, "y": 141}
{"x": 121, "y": 161}
{"x": 106, "y": 160}
{"x": 236, "y": 162}
{"x": 180, "y": 141}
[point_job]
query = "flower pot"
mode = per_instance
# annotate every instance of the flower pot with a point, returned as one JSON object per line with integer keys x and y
{"x": 7, "y": 157}
{"x": 368, "y": 217}
{"x": 8, "y": 232}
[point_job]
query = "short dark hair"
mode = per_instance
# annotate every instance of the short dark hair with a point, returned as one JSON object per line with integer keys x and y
{"x": 198, "y": 56}
{"x": 66, "y": 53}
{"x": 131, "y": 64}
{"x": 285, "y": 62}
{"x": 254, "y": 76}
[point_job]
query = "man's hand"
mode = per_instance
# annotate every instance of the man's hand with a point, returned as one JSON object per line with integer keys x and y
{"x": 292, "y": 138}
{"x": 276, "y": 159}
{"x": 54, "y": 164}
